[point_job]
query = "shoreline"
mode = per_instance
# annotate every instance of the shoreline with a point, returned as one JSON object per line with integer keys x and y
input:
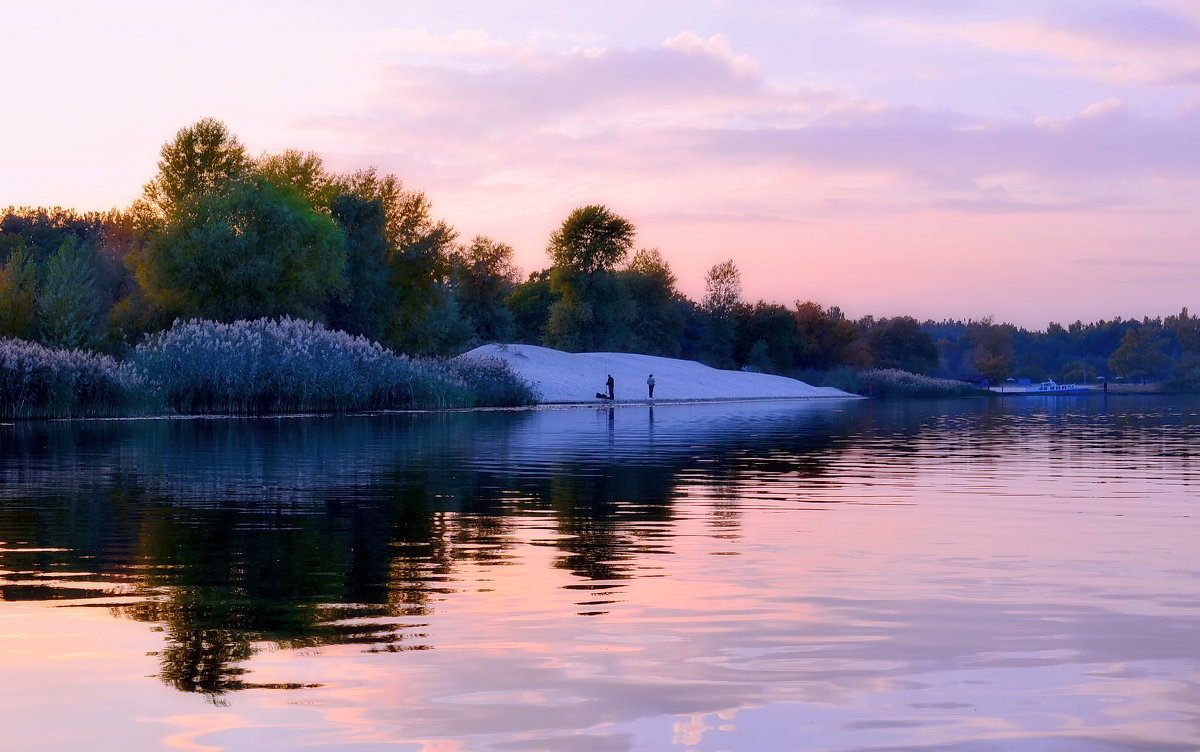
{"x": 429, "y": 410}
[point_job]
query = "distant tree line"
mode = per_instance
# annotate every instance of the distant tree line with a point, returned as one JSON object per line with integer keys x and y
{"x": 223, "y": 236}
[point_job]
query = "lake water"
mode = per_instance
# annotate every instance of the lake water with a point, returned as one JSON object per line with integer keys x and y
{"x": 967, "y": 576}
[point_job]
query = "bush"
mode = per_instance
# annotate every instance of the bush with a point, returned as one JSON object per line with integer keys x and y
{"x": 39, "y": 382}
{"x": 490, "y": 381}
{"x": 293, "y": 365}
{"x": 892, "y": 382}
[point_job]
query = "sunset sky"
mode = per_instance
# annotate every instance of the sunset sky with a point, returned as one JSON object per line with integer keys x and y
{"x": 1028, "y": 160}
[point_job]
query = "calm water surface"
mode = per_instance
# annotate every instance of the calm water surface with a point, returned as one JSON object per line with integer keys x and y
{"x": 954, "y": 576}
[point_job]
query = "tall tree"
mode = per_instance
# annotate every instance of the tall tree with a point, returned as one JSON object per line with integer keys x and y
{"x": 659, "y": 309}
{"x": 1140, "y": 355}
{"x": 304, "y": 173}
{"x": 365, "y": 303}
{"x": 18, "y": 295}
{"x": 254, "y": 250}
{"x": 484, "y": 274}
{"x": 425, "y": 318}
{"x": 901, "y": 343}
{"x": 722, "y": 299}
{"x": 201, "y": 161}
{"x": 593, "y": 311}
{"x": 67, "y": 304}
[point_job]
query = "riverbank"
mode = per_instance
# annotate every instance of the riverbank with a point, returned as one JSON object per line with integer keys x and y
{"x": 564, "y": 378}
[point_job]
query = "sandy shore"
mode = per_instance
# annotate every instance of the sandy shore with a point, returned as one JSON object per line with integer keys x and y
{"x": 575, "y": 378}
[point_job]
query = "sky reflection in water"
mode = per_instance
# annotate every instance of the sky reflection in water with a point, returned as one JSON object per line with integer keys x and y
{"x": 835, "y": 576}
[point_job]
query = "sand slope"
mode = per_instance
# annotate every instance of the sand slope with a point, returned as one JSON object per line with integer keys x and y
{"x": 576, "y": 377}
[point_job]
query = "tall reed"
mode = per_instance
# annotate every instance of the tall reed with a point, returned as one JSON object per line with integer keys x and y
{"x": 293, "y": 365}
{"x": 40, "y": 382}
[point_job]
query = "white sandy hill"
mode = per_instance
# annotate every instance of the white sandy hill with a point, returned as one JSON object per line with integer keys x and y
{"x": 576, "y": 377}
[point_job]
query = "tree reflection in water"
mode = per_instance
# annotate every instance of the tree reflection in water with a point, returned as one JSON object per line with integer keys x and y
{"x": 237, "y": 535}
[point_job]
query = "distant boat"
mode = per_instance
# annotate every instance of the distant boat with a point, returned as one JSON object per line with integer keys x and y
{"x": 1045, "y": 388}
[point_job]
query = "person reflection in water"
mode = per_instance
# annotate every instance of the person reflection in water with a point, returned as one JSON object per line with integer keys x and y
{"x": 650, "y": 385}
{"x": 609, "y": 384}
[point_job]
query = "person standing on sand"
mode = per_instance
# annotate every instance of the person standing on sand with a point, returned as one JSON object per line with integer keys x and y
{"x": 609, "y": 384}
{"x": 650, "y": 385}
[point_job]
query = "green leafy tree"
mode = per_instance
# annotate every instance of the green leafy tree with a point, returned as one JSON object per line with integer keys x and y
{"x": 530, "y": 303}
{"x": 659, "y": 307}
{"x": 721, "y": 302}
{"x": 254, "y": 250}
{"x": 767, "y": 337}
{"x": 828, "y": 339}
{"x": 201, "y": 161}
{"x": 991, "y": 349}
{"x": 67, "y": 303}
{"x": 484, "y": 275}
{"x": 593, "y": 311}
{"x": 423, "y": 318}
{"x": 901, "y": 343}
{"x": 364, "y": 304}
{"x": 1140, "y": 355}
{"x": 18, "y": 296}
{"x": 304, "y": 173}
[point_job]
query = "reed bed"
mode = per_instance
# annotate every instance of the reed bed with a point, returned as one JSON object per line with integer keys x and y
{"x": 40, "y": 382}
{"x": 892, "y": 382}
{"x": 294, "y": 365}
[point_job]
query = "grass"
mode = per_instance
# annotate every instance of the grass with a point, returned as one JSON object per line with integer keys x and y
{"x": 244, "y": 368}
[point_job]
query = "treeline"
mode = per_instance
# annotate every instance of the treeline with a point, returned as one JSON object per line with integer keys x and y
{"x": 221, "y": 236}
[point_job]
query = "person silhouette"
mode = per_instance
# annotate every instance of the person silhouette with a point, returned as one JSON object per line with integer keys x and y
{"x": 609, "y": 384}
{"x": 650, "y": 385}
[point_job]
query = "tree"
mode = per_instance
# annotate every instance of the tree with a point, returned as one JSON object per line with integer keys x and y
{"x": 827, "y": 337}
{"x": 304, "y": 173}
{"x": 483, "y": 275}
{"x": 722, "y": 289}
{"x": 991, "y": 349}
{"x": 593, "y": 311}
{"x": 423, "y": 318}
{"x": 530, "y": 303}
{"x": 1140, "y": 355}
{"x": 67, "y": 304}
{"x": 901, "y": 343}
{"x": 364, "y": 304}
{"x": 254, "y": 250}
{"x": 591, "y": 239}
{"x": 722, "y": 299}
{"x": 767, "y": 337}
{"x": 201, "y": 161}
{"x": 659, "y": 309}
{"x": 18, "y": 295}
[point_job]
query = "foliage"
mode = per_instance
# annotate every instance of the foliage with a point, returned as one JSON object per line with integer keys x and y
{"x": 722, "y": 289}
{"x": 483, "y": 275}
{"x": 591, "y": 239}
{"x": 303, "y": 173}
{"x": 893, "y": 382}
{"x": 593, "y": 310}
{"x": 201, "y": 161}
{"x": 899, "y": 343}
{"x": 254, "y": 250}
{"x": 530, "y": 303}
{"x": 366, "y": 300}
{"x": 658, "y": 306}
{"x": 40, "y": 382}
{"x": 1140, "y": 355}
{"x": 18, "y": 294}
{"x": 67, "y": 301}
{"x": 291, "y": 365}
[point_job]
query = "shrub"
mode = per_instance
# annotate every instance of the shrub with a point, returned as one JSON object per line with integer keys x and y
{"x": 892, "y": 382}
{"x": 293, "y": 365}
{"x": 40, "y": 382}
{"x": 490, "y": 382}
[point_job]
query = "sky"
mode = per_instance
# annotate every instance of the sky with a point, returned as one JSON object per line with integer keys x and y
{"x": 1032, "y": 161}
